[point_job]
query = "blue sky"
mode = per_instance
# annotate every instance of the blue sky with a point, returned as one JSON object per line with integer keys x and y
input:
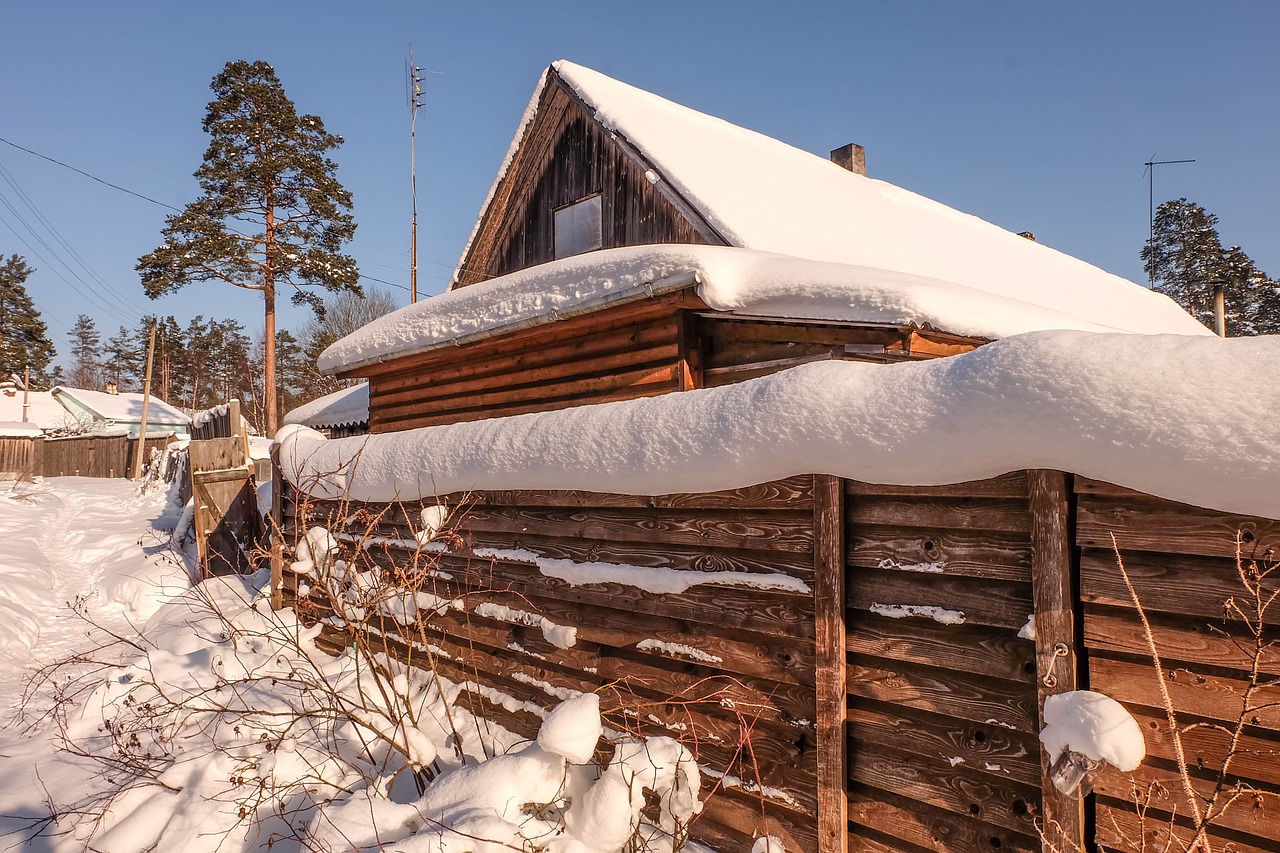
{"x": 1035, "y": 116}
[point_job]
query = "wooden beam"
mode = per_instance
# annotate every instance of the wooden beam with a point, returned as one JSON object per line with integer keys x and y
{"x": 829, "y": 632}
{"x": 1052, "y": 586}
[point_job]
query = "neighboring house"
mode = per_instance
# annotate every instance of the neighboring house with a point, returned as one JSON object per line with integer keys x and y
{"x": 43, "y": 409}
{"x": 101, "y": 410}
{"x": 343, "y": 413}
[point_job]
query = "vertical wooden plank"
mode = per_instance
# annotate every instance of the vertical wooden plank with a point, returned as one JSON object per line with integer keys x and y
{"x": 276, "y": 530}
{"x": 829, "y": 612}
{"x": 690, "y": 352}
{"x": 1052, "y": 573}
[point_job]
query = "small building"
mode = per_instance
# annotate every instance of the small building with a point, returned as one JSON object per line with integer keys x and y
{"x": 343, "y": 413}
{"x": 99, "y": 410}
{"x": 42, "y": 409}
{"x": 832, "y": 564}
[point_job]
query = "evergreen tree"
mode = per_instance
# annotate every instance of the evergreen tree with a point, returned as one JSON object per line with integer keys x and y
{"x": 1186, "y": 259}
{"x": 267, "y": 171}
{"x": 343, "y": 314}
{"x": 126, "y": 358}
{"x": 24, "y": 338}
{"x": 86, "y": 355}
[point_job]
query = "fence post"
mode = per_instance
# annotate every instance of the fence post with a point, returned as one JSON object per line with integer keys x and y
{"x": 1053, "y": 591}
{"x": 829, "y": 634}
{"x": 277, "y": 530}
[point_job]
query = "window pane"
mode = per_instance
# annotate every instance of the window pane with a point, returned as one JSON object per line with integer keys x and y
{"x": 578, "y": 228}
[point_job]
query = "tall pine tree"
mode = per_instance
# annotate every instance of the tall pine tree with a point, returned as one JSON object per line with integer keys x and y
{"x": 266, "y": 172}
{"x": 24, "y": 338}
{"x": 86, "y": 355}
{"x": 124, "y": 360}
{"x": 1186, "y": 259}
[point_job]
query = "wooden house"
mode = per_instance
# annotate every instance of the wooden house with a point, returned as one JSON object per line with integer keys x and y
{"x": 633, "y": 248}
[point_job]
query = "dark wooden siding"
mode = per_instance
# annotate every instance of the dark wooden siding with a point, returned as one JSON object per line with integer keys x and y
{"x": 942, "y": 721}
{"x": 629, "y": 351}
{"x": 567, "y": 156}
{"x": 750, "y": 675}
{"x": 1182, "y": 561}
{"x": 734, "y": 349}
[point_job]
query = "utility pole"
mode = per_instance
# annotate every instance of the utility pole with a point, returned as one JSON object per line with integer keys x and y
{"x": 26, "y": 394}
{"x": 146, "y": 401}
{"x": 413, "y": 79}
{"x": 1150, "y": 174}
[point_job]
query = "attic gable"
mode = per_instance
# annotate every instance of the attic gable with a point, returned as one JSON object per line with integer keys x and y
{"x": 562, "y": 154}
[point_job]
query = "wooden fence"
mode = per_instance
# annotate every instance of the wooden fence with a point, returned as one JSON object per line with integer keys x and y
{"x": 891, "y": 704}
{"x": 74, "y": 456}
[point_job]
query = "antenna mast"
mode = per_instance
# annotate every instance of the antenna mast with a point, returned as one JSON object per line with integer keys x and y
{"x": 413, "y": 83}
{"x": 1150, "y": 174}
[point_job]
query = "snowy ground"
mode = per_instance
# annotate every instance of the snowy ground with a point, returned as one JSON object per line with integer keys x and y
{"x": 95, "y": 543}
{"x": 209, "y": 724}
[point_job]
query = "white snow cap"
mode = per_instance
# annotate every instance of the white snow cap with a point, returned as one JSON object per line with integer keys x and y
{"x": 1163, "y": 414}
{"x": 760, "y": 193}
{"x": 344, "y": 407}
{"x": 572, "y": 729}
{"x": 743, "y": 282}
{"x": 1093, "y": 725}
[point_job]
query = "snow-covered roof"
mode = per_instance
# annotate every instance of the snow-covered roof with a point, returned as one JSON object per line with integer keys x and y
{"x": 741, "y": 281}
{"x": 17, "y": 429}
{"x": 45, "y": 412}
{"x": 1159, "y": 413}
{"x": 760, "y": 193}
{"x": 344, "y": 407}
{"x": 122, "y": 407}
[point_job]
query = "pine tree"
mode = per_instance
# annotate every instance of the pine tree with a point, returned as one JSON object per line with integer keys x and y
{"x": 266, "y": 170}
{"x": 24, "y": 338}
{"x": 125, "y": 359}
{"x": 86, "y": 355}
{"x": 1186, "y": 260}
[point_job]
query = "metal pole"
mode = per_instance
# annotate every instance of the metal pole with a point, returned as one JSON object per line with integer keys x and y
{"x": 1220, "y": 308}
{"x": 146, "y": 401}
{"x": 26, "y": 395}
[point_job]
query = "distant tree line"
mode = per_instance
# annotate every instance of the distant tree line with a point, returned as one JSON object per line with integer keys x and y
{"x": 200, "y": 364}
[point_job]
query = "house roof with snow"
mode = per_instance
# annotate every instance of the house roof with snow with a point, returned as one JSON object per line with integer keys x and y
{"x": 45, "y": 411}
{"x": 739, "y": 188}
{"x": 119, "y": 408}
{"x": 345, "y": 407}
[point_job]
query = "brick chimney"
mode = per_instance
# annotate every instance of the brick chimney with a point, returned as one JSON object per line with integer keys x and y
{"x": 852, "y": 157}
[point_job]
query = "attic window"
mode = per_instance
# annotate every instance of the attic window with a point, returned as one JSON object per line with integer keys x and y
{"x": 577, "y": 227}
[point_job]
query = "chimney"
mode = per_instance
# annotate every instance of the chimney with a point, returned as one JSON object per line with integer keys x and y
{"x": 852, "y": 157}
{"x": 1027, "y": 235}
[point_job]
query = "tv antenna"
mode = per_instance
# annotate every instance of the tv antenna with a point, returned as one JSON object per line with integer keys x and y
{"x": 1150, "y": 174}
{"x": 413, "y": 76}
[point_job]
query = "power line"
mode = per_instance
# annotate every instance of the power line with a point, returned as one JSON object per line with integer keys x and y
{"x": 87, "y": 175}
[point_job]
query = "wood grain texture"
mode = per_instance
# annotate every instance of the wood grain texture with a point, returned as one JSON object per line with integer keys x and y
{"x": 1165, "y": 527}
{"x": 829, "y": 639}
{"x": 982, "y": 601}
{"x": 930, "y": 828}
{"x": 965, "y": 553}
{"x": 952, "y": 694}
{"x": 975, "y": 649}
{"x": 1057, "y": 648}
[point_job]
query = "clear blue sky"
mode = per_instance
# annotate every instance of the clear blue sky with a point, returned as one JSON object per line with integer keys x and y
{"x": 1035, "y": 116}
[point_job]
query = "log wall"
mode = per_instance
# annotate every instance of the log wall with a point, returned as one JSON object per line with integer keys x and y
{"x": 895, "y": 707}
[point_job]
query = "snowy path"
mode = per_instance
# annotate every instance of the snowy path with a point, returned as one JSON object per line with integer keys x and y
{"x": 64, "y": 540}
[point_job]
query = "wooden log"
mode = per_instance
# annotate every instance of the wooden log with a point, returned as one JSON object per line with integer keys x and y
{"x": 930, "y": 828}
{"x": 829, "y": 641}
{"x": 952, "y": 694}
{"x": 997, "y": 514}
{"x": 1211, "y": 696}
{"x": 966, "y": 553}
{"x": 971, "y": 792}
{"x": 981, "y": 601}
{"x": 1188, "y": 586}
{"x": 1169, "y": 528}
{"x": 937, "y": 736}
{"x": 975, "y": 649}
{"x": 1057, "y": 647}
{"x": 1119, "y": 828}
{"x": 1179, "y": 639}
{"x": 1011, "y": 485}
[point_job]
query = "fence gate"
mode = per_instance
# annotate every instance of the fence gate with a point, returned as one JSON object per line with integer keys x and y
{"x": 226, "y": 513}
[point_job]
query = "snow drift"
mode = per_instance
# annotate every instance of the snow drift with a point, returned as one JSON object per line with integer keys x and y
{"x": 1187, "y": 418}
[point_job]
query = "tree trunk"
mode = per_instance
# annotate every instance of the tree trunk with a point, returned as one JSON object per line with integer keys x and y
{"x": 269, "y": 345}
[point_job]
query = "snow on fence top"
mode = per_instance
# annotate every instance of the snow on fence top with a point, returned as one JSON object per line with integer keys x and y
{"x": 344, "y": 407}
{"x": 744, "y": 282}
{"x": 760, "y": 193}
{"x": 1170, "y": 415}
